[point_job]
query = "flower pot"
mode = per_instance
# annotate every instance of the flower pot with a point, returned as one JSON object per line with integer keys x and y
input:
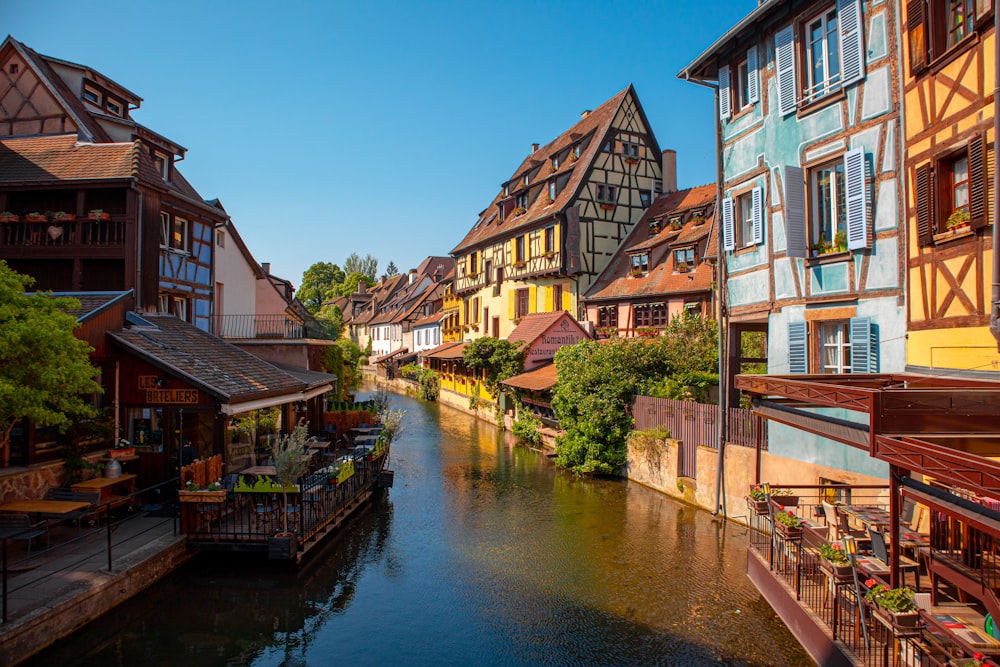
{"x": 840, "y": 573}
{"x": 99, "y": 217}
{"x": 36, "y": 218}
{"x": 201, "y": 496}
{"x": 790, "y": 534}
{"x": 121, "y": 453}
{"x": 786, "y": 501}
{"x": 759, "y": 507}
{"x": 898, "y": 621}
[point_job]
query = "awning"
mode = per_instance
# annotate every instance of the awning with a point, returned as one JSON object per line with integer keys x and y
{"x": 261, "y": 403}
{"x": 387, "y": 357}
{"x": 446, "y": 352}
{"x": 849, "y": 433}
{"x": 538, "y": 379}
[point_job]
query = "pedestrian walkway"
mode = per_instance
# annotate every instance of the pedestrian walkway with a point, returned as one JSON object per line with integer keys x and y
{"x": 58, "y": 590}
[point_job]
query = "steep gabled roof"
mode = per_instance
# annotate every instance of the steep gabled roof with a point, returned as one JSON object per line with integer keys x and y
{"x": 596, "y": 125}
{"x": 60, "y": 157}
{"x": 538, "y": 379}
{"x": 616, "y": 282}
{"x": 536, "y": 324}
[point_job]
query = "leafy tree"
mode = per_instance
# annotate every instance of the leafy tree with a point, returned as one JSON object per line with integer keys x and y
{"x": 351, "y": 354}
{"x": 428, "y": 380}
{"x": 319, "y": 283}
{"x": 593, "y": 396}
{"x": 391, "y": 270}
{"x": 350, "y": 284}
{"x": 45, "y": 371}
{"x": 367, "y": 267}
{"x": 691, "y": 350}
{"x": 501, "y": 359}
{"x": 332, "y": 320}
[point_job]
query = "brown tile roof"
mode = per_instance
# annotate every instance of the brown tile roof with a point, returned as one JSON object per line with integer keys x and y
{"x": 205, "y": 361}
{"x": 431, "y": 319}
{"x": 49, "y": 159}
{"x": 452, "y": 350}
{"x": 616, "y": 282}
{"x": 596, "y": 123}
{"x": 91, "y": 303}
{"x": 534, "y": 325}
{"x": 538, "y": 379}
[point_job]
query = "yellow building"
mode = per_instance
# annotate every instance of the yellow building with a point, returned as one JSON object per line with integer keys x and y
{"x": 558, "y": 220}
{"x": 948, "y": 75}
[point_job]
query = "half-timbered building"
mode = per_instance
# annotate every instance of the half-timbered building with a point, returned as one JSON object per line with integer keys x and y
{"x": 558, "y": 219}
{"x": 949, "y": 82}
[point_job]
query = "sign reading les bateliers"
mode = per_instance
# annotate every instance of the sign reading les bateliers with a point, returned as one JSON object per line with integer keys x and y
{"x": 156, "y": 394}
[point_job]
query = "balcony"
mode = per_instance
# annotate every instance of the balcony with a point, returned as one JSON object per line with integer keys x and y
{"x": 948, "y": 555}
{"x": 275, "y": 327}
{"x": 76, "y": 234}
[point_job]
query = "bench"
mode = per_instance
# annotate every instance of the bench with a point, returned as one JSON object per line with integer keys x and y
{"x": 19, "y": 527}
{"x": 91, "y": 497}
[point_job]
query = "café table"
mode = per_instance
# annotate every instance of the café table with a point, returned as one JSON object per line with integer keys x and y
{"x": 47, "y": 508}
{"x": 873, "y": 517}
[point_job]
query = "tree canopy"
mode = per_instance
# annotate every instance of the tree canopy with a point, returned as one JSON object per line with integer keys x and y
{"x": 500, "y": 358}
{"x": 391, "y": 270}
{"x": 319, "y": 284}
{"x": 45, "y": 371}
{"x": 367, "y": 267}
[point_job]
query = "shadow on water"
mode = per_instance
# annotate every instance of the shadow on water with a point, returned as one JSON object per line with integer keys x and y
{"x": 483, "y": 553}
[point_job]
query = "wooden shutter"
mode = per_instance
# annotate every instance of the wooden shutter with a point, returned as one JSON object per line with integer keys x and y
{"x": 548, "y": 299}
{"x": 784, "y": 56}
{"x": 728, "y": 239}
{"x": 864, "y": 346}
{"x": 725, "y": 96}
{"x": 532, "y": 299}
{"x": 753, "y": 76}
{"x": 852, "y": 38}
{"x": 566, "y": 300}
{"x": 512, "y": 304}
{"x": 924, "y": 195}
{"x": 857, "y": 199}
{"x": 798, "y": 359}
{"x": 977, "y": 182}
{"x": 757, "y": 205}
{"x": 795, "y": 212}
{"x": 916, "y": 31}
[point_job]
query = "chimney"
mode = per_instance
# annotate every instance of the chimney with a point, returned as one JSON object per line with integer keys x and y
{"x": 534, "y": 147}
{"x": 413, "y": 276}
{"x": 586, "y": 112}
{"x": 267, "y": 267}
{"x": 669, "y": 171}
{"x": 362, "y": 286}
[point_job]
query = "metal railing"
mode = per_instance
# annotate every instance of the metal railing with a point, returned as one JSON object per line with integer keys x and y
{"x": 121, "y": 510}
{"x": 279, "y": 327}
{"x": 696, "y": 423}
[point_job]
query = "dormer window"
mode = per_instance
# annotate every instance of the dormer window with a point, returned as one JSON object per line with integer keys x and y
{"x": 552, "y": 190}
{"x": 576, "y": 151}
{"x": 640, "y": 264}
{"x": 162, "y": 161}
{"x": 91, "y": 95}
{"x": 684, "y": 259}
{"x": 654, "y": 227}
{"x": 524, "y": 181}
{"x": 555, "y": 162}
{"x": 506, "y": 189}
{"x": 114, "y": 107}
{"x": 521, "y": 201}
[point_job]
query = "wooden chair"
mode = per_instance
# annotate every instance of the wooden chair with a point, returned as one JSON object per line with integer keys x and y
{"x": 19, "y": 527}
{"x": 830, "y": 512}
{"x": 881, "y": 553}
{"x": 844, "y": 528}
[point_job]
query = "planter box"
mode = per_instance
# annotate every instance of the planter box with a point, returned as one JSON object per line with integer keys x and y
{"x": 282, "y": 547}
{"x": 121, "y": 452}
{"x": 840, "y": 573}
{"x": 787, "y": 501}
{"x": 759, "y": 507}
{"x": 790, "y": 534}
{"x": 907, "y": 622}
{"x": 201, "y": 496}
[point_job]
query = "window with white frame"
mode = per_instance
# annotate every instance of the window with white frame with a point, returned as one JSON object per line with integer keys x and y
{"x": 684, "y": 259}
{"x": 835, "y": 347}
{"x": 640, "y": 263}
{"x": 552, "y": 190}
{"x": 838, "y": 347}
{"x": 164, "y": 232}
{"x": 179, "y": 234}
{"x": 550, "y": 239}
{"x": 743, "y": 220}
{"x": 744, "y": 214}
{"x": 828, "y": 196}
{"x": 220, "y": 239}
{"x": 535, "y": 243}
{"x": 822, "y": 54}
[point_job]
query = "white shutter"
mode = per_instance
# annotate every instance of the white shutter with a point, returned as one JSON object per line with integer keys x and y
{"x": 753, "y": 77}
{"x": 852, "y": 53}
{"x": 795, "y": 212}
{"x": 784, "y": 56}
{"x": 728, "y": 238}
{"x": 798, "y": 360}
{"x": 864, "y": 346}
{"x": 725, "y": 103}
{"x": 857, "y": 209}
{"x": 757, "y": 204}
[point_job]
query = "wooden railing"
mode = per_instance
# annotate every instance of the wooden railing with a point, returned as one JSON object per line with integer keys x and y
{"x": 58, "y": 234}
{"x": 696, "y": 423}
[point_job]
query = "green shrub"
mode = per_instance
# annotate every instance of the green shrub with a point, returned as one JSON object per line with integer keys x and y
{"x": 526, "y": 427}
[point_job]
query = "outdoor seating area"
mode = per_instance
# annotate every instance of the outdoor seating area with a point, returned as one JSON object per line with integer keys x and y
{"x": 918, "y": 591}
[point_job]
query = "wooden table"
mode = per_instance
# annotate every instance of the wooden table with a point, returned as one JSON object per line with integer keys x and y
{"x": 259, "y": 470}
{"x": 874, "y": 517}
{"x": 124, "y": 485}
{"x": 52, "y": 508}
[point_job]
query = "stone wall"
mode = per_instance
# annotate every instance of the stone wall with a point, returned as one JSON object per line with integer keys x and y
{"x": 32, "y": 483}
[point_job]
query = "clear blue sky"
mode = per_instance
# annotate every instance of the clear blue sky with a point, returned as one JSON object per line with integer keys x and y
{"x": 380, "y": 127}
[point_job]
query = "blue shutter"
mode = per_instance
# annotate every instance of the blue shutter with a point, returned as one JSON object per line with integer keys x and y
{"x": 784, "y": 56}
{"x": 728, "y": 238}
{"x": 798, "y": 360}
{"x": 795, "y": 212}
{"x": 725, "y": 102}
{"x": 757, "y": 205}
{"x": 852, "y": 53}
{"x": 864, "y": 346}
{"x": 856, "y": 196}
{"x": 753, "y": 76}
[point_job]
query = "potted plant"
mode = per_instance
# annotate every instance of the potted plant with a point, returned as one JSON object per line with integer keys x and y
{"x": 548, "y": 200}
{"x": 784, "y": 497}
{"x": 958, "y": 221}
{"x": 35, "y": 216}
{"x": 97, "y": 215}
{"x": 757, "y": 500}
{"x": 63, "y": 216}
{"x": 835, "y": 561}
{"x": 975, "y": 661}
{"x": 682, "y": 267}
{"x": 788, "y": 525}
{"x": 122, "y": 449}
{"x": 289, "y": 466}
{"x": 894, "y": 605}
{"x": 192, "y": 493}
{"x": 637, "y": 273}
{"x": 7, "y": 216}
{"x": 520, "y": 210}
{"x": 840, "y": 240}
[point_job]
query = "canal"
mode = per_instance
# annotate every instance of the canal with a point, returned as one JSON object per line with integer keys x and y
{"x": 481, "y": 554}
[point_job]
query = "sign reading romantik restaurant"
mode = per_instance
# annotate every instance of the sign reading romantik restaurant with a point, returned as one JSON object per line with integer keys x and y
{"x": 545, "y": 347}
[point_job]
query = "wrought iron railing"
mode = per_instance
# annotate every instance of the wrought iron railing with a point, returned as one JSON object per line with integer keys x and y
{"x": 268, "y": 326}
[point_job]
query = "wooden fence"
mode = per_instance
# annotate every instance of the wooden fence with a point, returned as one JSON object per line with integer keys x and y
{"x": 696, "y": 423}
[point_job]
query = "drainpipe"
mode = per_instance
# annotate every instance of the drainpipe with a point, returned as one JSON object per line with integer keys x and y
{"x": 720, "y": 270}
{"x": 995, "y": 299}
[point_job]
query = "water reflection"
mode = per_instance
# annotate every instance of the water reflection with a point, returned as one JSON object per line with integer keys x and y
{"x": 483, "y": 554}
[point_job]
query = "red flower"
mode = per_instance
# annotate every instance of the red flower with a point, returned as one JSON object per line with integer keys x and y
{"x": 836, "y": 545}
{"x": 869, "y": 583}
{"x": 978, "y": 656}
{"x": 791, "y": 513}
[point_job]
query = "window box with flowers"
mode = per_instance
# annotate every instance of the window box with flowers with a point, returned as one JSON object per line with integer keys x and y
{"x": 631, "y": 160}
{"x": 637, "y": 273}
{"x": 7, "y": 216}
{"x": 788, "y": 525}
{"x": 520, "y": 210}
{"x": 35, "y": 216}
{"x": 683, "y": 267}
{"x": 757, "y": 500}
{"x": 549, "y": 255}
{"x": 573, "y": 157}
{"x": 98, "y": 215}
{"x": 835, "y": 562}
{"x": 520, "y": 264}
{"x": 63, "y": 216}
{"x": 552, "y": 168}
{"x": 548, "y": 201}
{"x": 647, "y": 332}
{"x": 957, "y": 222}
{"x": 607, "y": 207}
{"x": 192, "y": 493}
{"x": 607, "y": 332}
{"x": 893, "y": 606}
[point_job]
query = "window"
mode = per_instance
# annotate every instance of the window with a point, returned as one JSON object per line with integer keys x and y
{"x": 475, "y": 310}
{"x": 658, "y": 314}
{"x": 742, "y": 91}
{"x": 162, "y": 162}
{"x": 220, "y": 239}
{"x": 684, "y": 259}
{"x": 835, "y": 348}
{"x": 822, "y": 56}
{"x": 506, "y": 189}
{"x": 114, "y": 107}
{"x": 607, "y": 316}
{"x": 953, "y": 192}
{"x": 473, "y": 264}
{"x": 550, "y": 239}
{"x": 937, "y": 27}
{"x": 521, "y": 201}
{"x": 640, "y": 263}
{"x": 164, "y": 233}
{"x": 609, "y": 146}
{"x": 12, "y": 68}
{"x": 557, "y": 298}
{"x": 535, "y": 243}
{"x": 827, "y": 195}
{"x": 91, "y": 95}
{"x": 179, "y": 307}
{"x": 519, "y": 249}
{"x": 524, "y": 181}
{"x": 742, "y": 220}
{"x": 643, "y": 316}
{"x": 552, "y": 190}
{"x": 576, "y": 151}
{"x": 956, "y": 184}
{"x": 521, "y": 302}
{"x": 555, "y": 162}
{"x": 644, "y": 198}
{"x": 630, "y": 150}
{"x": 486, "y": 317}
{"x": 744, "y": 225}
{"x": 179, "y": 234}
{"x": 607, "y": 194}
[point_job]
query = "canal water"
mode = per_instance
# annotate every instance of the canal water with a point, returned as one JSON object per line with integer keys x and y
{"x": 482, "y": 554}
